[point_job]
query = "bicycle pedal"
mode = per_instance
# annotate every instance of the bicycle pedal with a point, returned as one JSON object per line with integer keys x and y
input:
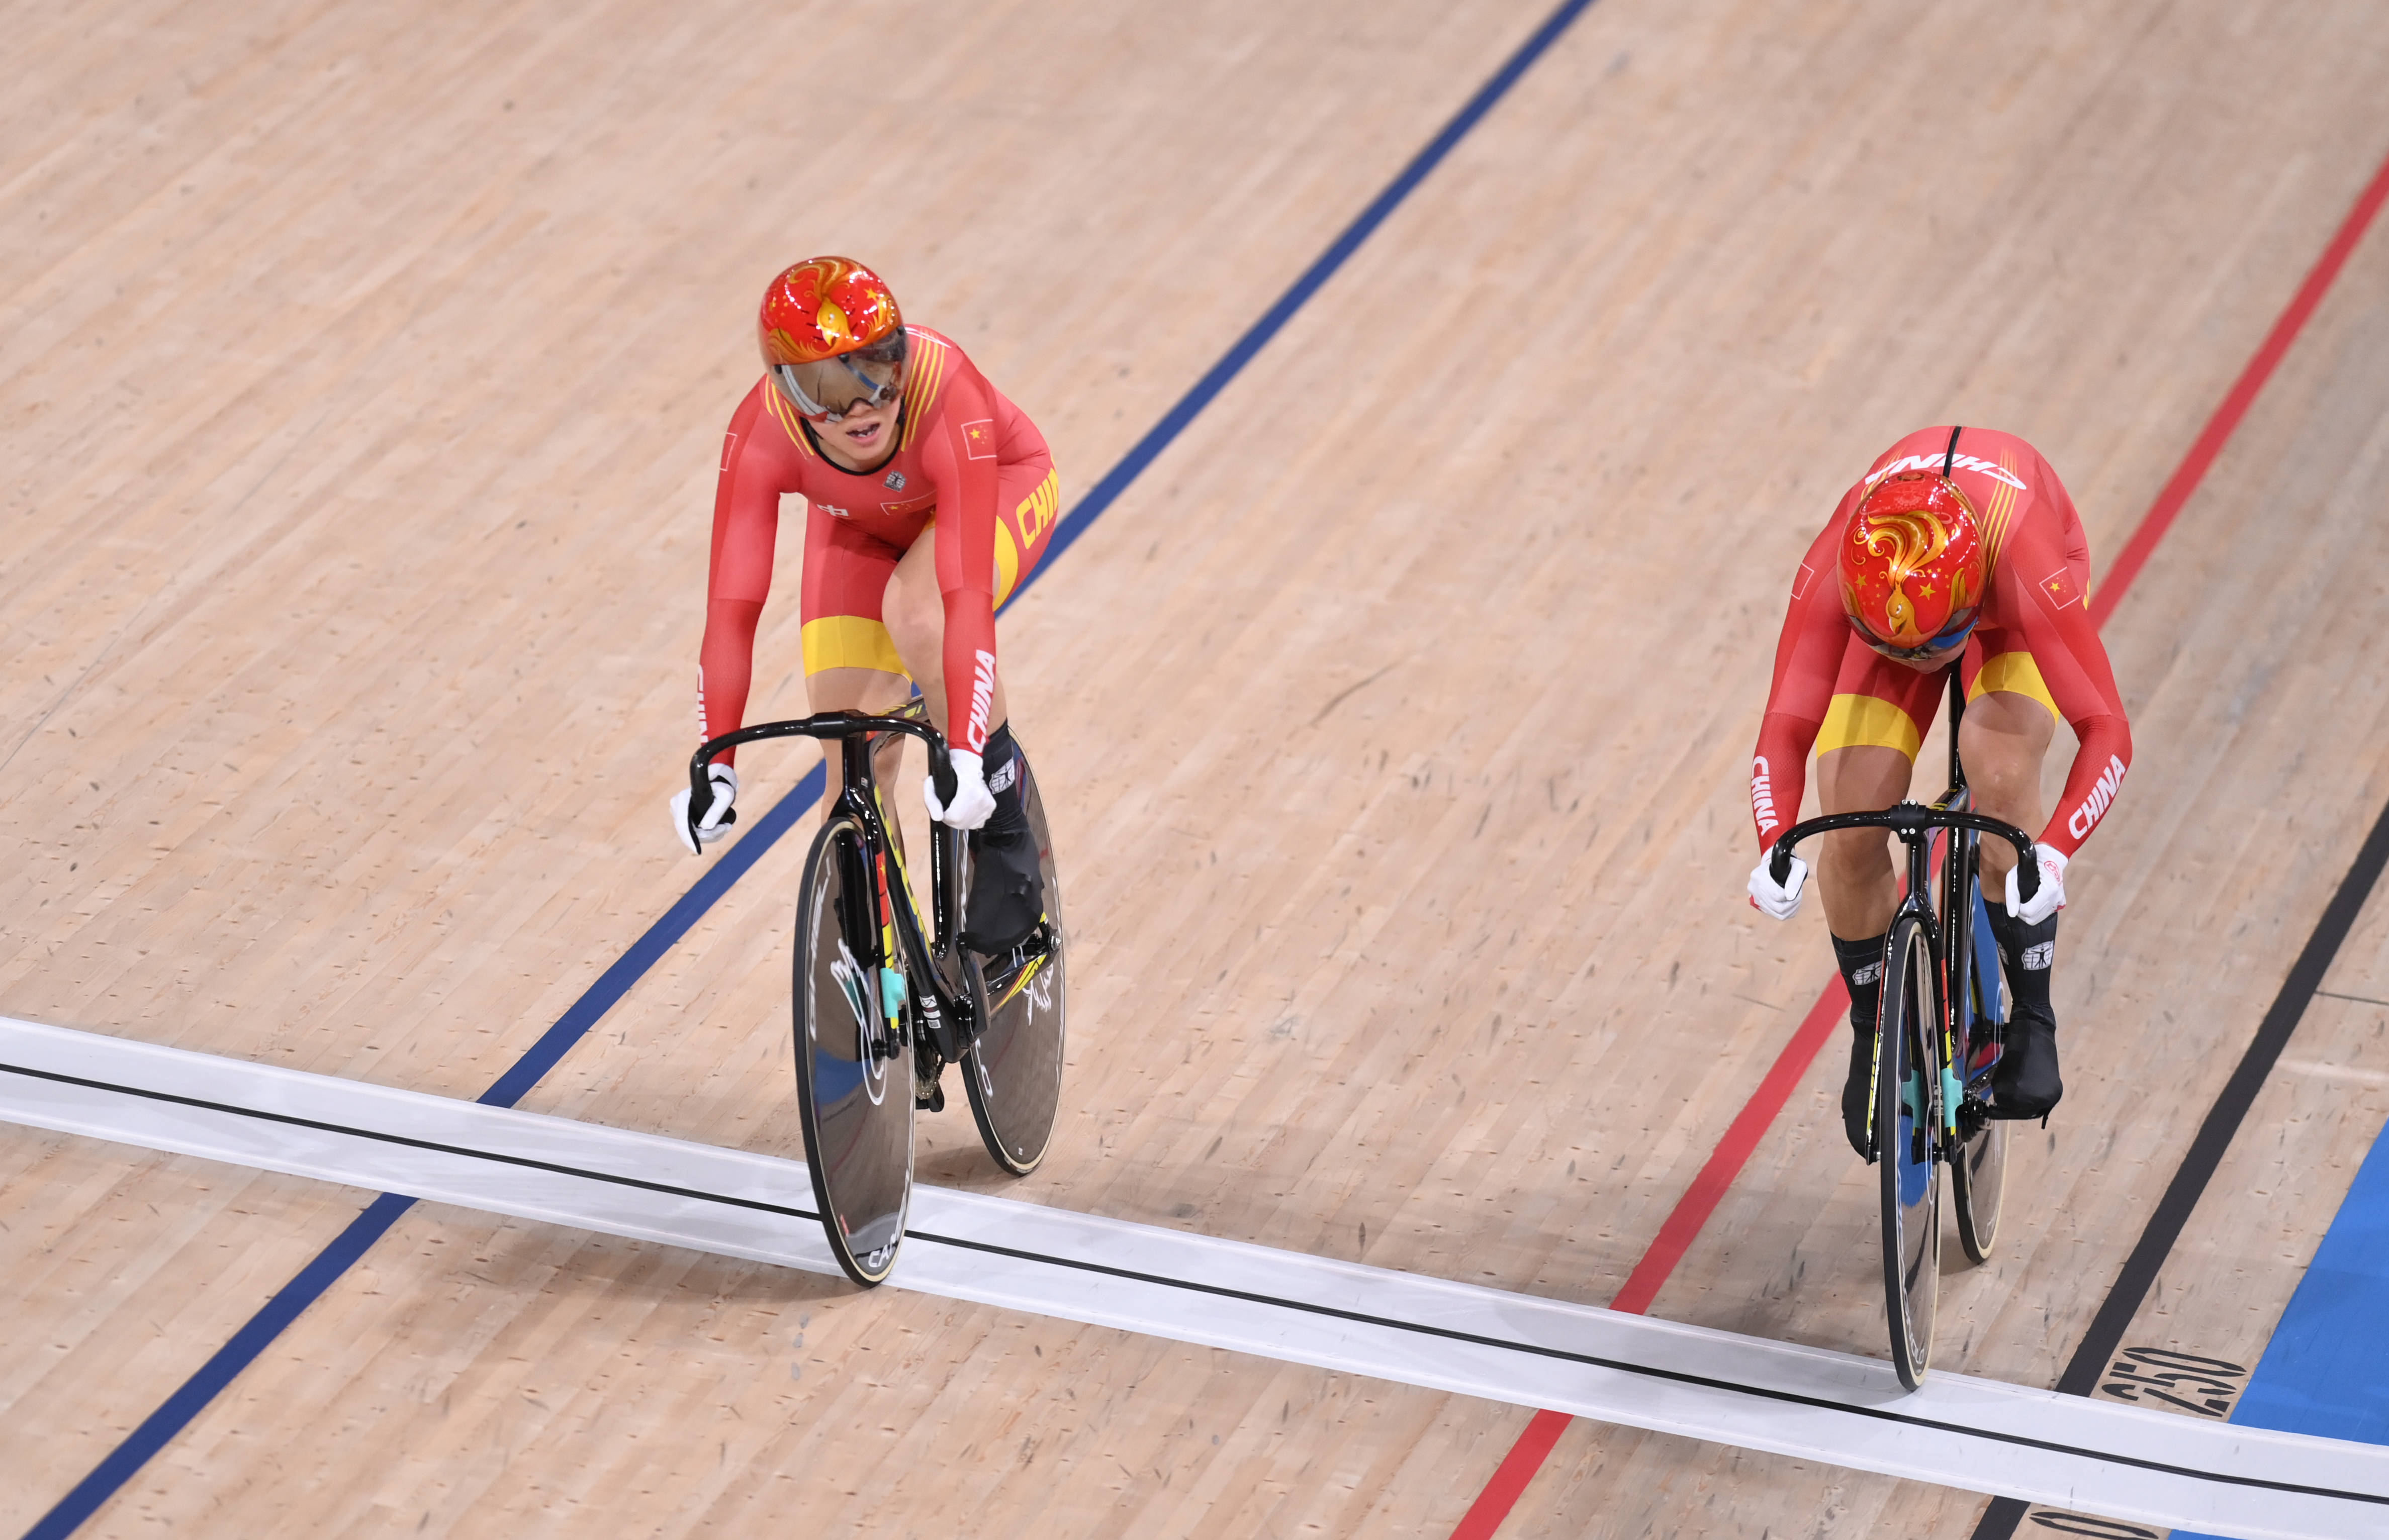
{"x": 1003, "y": 968}
{"x": 932, "y": 1100}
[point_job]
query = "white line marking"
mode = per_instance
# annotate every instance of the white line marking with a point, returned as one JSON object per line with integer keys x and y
{"x": 2316, "y": 1069}
{"x": 1976, "y": 1434}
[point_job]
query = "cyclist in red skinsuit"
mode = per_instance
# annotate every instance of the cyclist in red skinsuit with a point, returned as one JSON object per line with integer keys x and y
{"x": 928, "y": 497}
{"x": 2028, "y": 655}
{"x": 968, "y": 467}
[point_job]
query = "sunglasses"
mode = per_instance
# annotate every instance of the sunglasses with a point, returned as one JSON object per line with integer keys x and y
{"x": 1954, "y": 637}
{"x": 878, "y": 370}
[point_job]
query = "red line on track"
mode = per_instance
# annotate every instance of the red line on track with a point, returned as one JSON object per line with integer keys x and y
{"x": 1700, "y": 1200}
{"x": 1518, "y": 1468}
{"x": 2252, "y": 379}
{"x": 1741, "y": 1136}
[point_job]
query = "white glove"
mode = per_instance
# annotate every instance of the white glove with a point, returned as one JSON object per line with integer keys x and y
{"x": 973, "y": 802}
{"x": 2051, "y": 896}
{"x": 1782, "y": 902}
{"x": 718, "y": 817}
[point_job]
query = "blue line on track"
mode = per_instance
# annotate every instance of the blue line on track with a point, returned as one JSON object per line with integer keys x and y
{"x": 2324, "y": 1370}
{"x": 303, "y": 1290}
{"x": 176, "y": 1412}
{"x": 1273, "y": 320}
{"x": 648, "y": 949}
{"x": 2322, "y": 1373}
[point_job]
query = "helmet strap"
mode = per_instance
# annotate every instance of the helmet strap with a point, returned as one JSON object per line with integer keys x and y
{"x": 1949, "y": 456}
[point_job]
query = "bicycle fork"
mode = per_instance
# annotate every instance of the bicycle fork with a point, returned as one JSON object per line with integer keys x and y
{"x": 1934, "y": 1094}
{"x": 892, "y": 980}
{"x": 939, "y": 1029}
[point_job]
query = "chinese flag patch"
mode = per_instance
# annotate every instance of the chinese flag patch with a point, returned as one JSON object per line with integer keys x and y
{"x": 2059, "y": 586}
{"x": 978, "y": 439}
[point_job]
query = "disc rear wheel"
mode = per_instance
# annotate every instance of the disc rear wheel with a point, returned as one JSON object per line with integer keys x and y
{"x": 1977, "y": 1181}
{"x": 1978, "y": 1178}
{"x": 1907, "y": 1105}
{"x": 1012, "y": 1072}
{"x": 854, "y": 1077}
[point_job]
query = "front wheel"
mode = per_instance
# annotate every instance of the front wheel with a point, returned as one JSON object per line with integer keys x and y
{"x": 854, "y": 1077}
{"x": 1907, "y": 1111}
{"x": 1012, "y": 1071}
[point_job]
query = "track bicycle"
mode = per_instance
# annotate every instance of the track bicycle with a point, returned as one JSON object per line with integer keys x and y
{"x": 883, "y": 1004}
{"x": 1939, "y": 1035}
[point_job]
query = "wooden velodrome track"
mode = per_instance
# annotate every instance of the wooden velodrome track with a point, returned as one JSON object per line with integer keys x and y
{"x": 363, "y": 374}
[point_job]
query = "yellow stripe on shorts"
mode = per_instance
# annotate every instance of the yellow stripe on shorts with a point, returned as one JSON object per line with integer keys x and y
{"x": 1862, "y": 721}
{"x": 2017, "y": 674}
{"x": 849, "y": 642}
{"x": 1007, "y": 563}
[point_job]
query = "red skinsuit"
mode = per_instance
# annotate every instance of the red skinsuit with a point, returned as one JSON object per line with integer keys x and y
{"x": 2039, "y": 604}
{"x": 967, "y": 461}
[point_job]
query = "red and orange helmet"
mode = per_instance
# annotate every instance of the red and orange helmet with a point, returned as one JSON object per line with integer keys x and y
{"x": 833, "y": 338}
{"x": 1912, "y": 566}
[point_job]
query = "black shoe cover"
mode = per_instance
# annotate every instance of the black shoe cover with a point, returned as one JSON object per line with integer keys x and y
{"x": 1855, "y": 1092}
{"x": 1007, "y": 897}
{"x": 2026, "y": 1084}
{"x": 1007, "y": 891}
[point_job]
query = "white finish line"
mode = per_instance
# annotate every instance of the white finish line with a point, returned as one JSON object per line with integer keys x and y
{"x": 1975, "y": 1435}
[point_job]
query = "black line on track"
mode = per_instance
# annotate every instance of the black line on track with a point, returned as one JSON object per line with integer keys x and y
{"x": 415, "y": 1144}
{"x": 1248, "y": 1296}
{"x": 2199, "y": 1164}
{"x": 1649, "y": 1371}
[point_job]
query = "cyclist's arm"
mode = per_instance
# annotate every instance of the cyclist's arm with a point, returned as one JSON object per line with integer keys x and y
{"x": 2073, "y": 544}
{"x": 2073, "y": 663}
{"x": 739, "y": 578}
{"x": 959, "y": 451}
{"x": 1807, "y": 659}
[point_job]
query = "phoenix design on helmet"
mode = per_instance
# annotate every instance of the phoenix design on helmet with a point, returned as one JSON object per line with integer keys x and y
{"x": 1912, "y": 568}
{"x": 832, "y": 337}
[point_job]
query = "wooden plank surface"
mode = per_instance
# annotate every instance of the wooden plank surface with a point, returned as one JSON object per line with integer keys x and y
{"x": 366, "y": 373}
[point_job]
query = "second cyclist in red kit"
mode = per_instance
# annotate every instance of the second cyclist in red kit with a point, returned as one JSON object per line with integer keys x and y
{"x": 1959, "y": 548}
{"x": 928, "y": 497}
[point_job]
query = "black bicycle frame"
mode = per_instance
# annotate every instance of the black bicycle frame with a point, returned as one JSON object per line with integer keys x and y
{"x": 1915, "y": 824}
{"x": 951, "y": 1018}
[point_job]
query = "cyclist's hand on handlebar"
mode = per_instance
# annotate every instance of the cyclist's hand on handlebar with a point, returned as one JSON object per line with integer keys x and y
{"x": 2051, "y": 896}
{"x": 708, "y": 823}
{"x": 1782, "y": 901}
{"x": 973, "y": 802}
